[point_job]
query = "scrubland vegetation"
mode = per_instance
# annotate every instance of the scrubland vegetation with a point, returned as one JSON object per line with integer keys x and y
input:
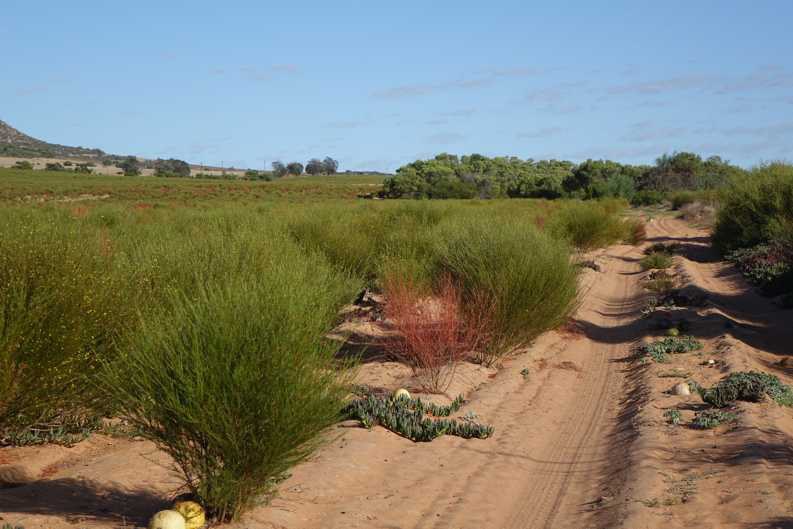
{"x": 754, "y": 228}
{"x": 449, "y": 176}
{"x": 199, "y": 311}
{"x": 203, "y": 323}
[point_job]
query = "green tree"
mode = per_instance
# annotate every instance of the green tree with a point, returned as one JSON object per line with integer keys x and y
{"x": 330, "y": 166}
{"x": 315, "y": 167}
{"x": 294, "y": 168}
{"x": 171, "y": 167}
{"x": 130, "y": 166}
{"x": 279, "y": 169}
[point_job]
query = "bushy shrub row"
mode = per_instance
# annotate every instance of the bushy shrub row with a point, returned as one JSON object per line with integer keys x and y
{"x": 470, "y": 176}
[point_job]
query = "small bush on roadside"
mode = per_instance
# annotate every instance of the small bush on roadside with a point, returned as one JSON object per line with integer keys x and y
{"x": 661, "y": 286}
{"x": 672, "y": 417}
{"x": 524, "y": 279}
{"x": 751, "y": 386}
{"x": 647, "y": 198}
{"x": 767, "y": 265}
{"x": 707, "y": 419}
{"x": 590, "y": 225}
{"x": 23, "y": 165}
{"x": 656, "y": 261}
{"x": 637, "y": 232}
{"x": 432, "y": 332}
{"x": 661, "y": 349}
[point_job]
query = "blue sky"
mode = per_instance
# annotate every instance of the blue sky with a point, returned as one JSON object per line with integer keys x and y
{"x": 378, "y": 84}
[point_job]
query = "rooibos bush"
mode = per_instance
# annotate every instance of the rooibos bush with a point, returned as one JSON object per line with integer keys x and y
{"x": 525, "y": 279}
{"x": 589, "y": 225}
{"x": 62, "y": 308}
{"x": 234, "y": 379}
{"x": 433, "y": 333}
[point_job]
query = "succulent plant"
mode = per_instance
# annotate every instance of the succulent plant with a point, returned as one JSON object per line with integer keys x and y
{"x": 413, "y": 418}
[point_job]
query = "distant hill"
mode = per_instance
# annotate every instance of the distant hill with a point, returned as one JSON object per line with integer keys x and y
{"x": 16, "y": 143}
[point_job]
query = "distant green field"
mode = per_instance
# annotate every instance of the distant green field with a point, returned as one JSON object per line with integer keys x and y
{"x": 46, "y": 186}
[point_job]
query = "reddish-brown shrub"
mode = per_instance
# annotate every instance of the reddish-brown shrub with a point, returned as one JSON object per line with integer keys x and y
{"x": 432, "y": 332}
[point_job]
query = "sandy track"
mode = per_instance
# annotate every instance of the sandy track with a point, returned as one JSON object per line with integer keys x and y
{"x": 737, "y": 475}
{"x": 558, "y": 457}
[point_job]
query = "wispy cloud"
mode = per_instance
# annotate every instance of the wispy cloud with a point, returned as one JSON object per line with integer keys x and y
{"x": 351, "y": 124}
{"x": 648, "y": 131}
{"x": 461, "y": 113}
{"x": 482, "y": 78}
{"x": 256, "y": 73}
{"x": 684, "y": 82}
{"x": 767, "y": 78}
{"x": 445, "y": 138}
{"x": 539, "y": 133}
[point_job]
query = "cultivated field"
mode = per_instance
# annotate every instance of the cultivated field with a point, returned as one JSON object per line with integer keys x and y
{"x": 569, "y": 363}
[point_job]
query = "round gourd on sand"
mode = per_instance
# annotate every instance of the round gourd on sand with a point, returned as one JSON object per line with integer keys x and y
{"x": 401, "y": 393}
{"x": 192, "y": 512}
{"x": 673, "y": 332}
{"x": 167, "y": 520}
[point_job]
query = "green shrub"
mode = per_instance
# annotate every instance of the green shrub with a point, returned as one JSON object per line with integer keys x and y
{"x": 408, "y": 418}
{"x": 647, "y": 198}
{"x": 23, "y": 165}
{"x": 708, "y": 419}
{"x": 682, "y": 198}
{"x": 523, "y": 279}
{"x": 233, "y": 378}
{"x": 636, "y": 231}
{"x": 753, "y": 207}
{"x": 766, "y": 265}
{"x": 656, "y": 261}
{"x": 589, "y": 225}
{"x": 751, "y": 386}
{"x": 62, "y": 308}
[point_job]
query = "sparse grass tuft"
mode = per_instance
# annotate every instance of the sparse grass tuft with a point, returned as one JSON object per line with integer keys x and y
{"x": 656, "y": 261}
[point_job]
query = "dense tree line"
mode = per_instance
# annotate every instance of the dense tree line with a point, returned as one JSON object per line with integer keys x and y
{"x": 450, "y": 176}
{"x": 314, "y": 166}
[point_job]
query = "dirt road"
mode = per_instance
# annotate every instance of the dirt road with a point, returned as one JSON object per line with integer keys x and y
{"x": 557, "y": 458}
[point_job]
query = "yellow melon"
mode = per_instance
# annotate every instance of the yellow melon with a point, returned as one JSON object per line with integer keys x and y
{"x": 193, "y": 513}
{"x": 167, "y": 520}
{"x": 401, "y": 393}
